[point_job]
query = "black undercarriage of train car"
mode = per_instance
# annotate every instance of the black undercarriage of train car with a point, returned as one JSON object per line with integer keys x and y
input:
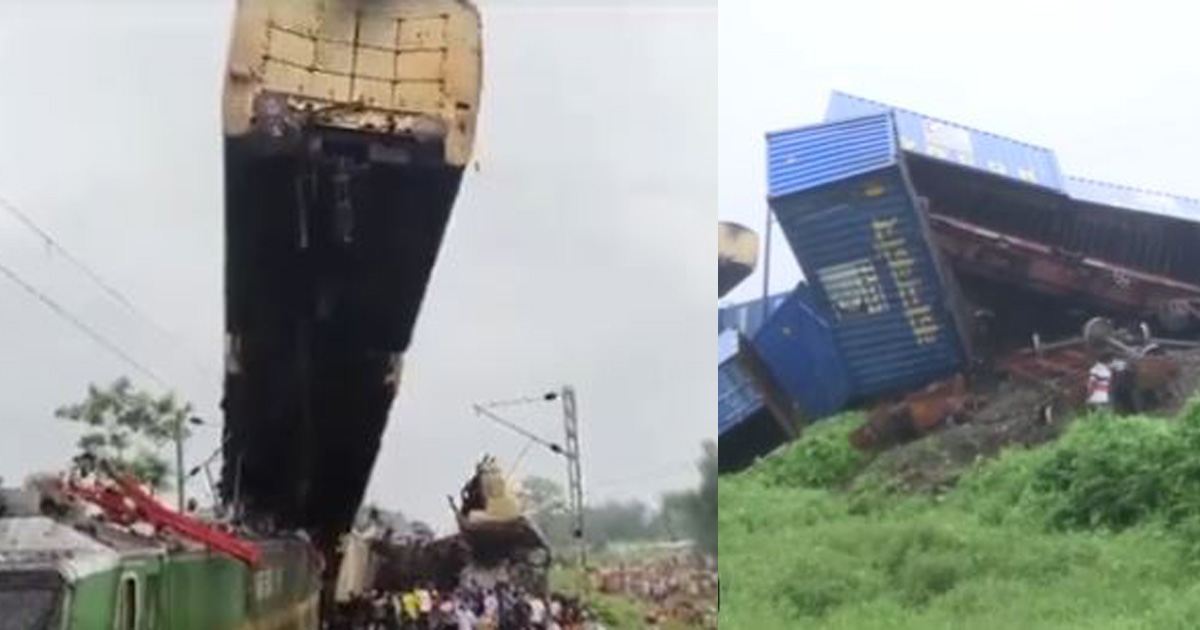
{"x": 329, "y": 250}
{"x": 1155, "y": 244}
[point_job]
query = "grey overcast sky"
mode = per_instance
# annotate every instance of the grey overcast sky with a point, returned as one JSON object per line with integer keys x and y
{"x": 1112, "y": 87}
{"x": 580, "y": 252}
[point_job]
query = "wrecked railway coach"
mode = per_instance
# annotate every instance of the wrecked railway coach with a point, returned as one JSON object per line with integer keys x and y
{"x": 929, "y": 248}
{"x": 347, "y": 128}
{"x": 926, "y": 242}
{"x": 843, "y": 201}
{"x": 1002, "y": 210}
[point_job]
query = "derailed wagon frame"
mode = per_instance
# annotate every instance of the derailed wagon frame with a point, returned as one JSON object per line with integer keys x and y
{"x": 976, "y": 251}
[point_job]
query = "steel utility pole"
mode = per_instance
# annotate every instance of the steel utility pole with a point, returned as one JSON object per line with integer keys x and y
{"x": 569, "y": 450}
{"x": 766, "y": 285}
{"x": 574, "y": 470}
{"x": 179, "y": 475}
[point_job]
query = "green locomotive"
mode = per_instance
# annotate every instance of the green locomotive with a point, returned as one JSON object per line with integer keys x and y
{"x": 62, "y": 572}
{"x": 348, "y": 125}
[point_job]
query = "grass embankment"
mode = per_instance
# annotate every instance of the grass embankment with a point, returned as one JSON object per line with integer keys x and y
{"x": 1098, "y": 530}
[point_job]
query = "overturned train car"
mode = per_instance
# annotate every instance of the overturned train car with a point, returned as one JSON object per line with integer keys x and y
{"x": 347, "y": 127}
{"x": 929, "y": 243}
{"x": 1033, "y": 246}
{"x": 929, "y": 246}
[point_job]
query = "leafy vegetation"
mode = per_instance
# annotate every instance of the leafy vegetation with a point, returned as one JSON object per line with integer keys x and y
{"x": 690, "y": 514}
{"x": 823, "y": 459}
{"x": 696, "y": 510}
{"x": 128, "y": 428}
{"x": 1099, "y": 529}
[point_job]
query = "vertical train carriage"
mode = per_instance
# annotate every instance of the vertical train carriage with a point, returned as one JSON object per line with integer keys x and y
{"x": 347, "y": 126}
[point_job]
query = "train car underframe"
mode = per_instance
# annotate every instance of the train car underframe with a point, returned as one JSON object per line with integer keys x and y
{"x": 329, "y": 251}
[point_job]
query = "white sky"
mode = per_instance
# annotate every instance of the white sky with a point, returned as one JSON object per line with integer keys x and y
{"x": 581, "y": 252}
{"x": 1112, "y": 87}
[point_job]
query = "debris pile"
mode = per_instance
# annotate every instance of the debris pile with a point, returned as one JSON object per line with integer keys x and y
{"x": 1025, "y": 407}
{"x": 496, "y": 545}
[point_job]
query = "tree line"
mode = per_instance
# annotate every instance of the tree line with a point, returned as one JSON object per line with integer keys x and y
{"x": 683, "y": 515}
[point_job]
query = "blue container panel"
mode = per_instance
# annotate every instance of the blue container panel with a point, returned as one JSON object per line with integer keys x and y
{"x": 737, "y": 397}
{"x": 743, "y": 443}
{"x": 747, "y": 317}
{"x": 807, "y": 157}
{"x": 959, "y": 144}
{"x": 1133, "y": 199}
{"x": 799, "y": 350}
{"x": 864, "y": 250}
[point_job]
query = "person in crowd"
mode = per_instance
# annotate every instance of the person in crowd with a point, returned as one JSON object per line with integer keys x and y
{"x": 446, "y": 613}
{"x": 507, "y": 614}
{"x": 378, "y": 606}
{"x": 411, "y": 608}
{"x": 500, "y": 606}
{"x": 537, "y": 612}
{"x": 465, "y": 616}
{"x": 1099, "y": 383}
{"x": 424, "y": 606}
{"x": 491, "y": 611}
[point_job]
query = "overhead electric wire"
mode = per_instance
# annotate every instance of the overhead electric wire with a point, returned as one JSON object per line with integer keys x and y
{"x": 524, "y": 400}
{"x": 553, "y": 446}
{"x": 83, "y": 327}
{"x": 110, "y": 290}
{"x": 100, "y": 282}
{"x": 512, "y": 470}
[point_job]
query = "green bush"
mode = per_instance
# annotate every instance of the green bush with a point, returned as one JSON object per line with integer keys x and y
{"x": 1105, "y": 473}
{"x": 822, "y": 458}
{"x": 1100, "y": 529}
{"x": 813, "y": 588}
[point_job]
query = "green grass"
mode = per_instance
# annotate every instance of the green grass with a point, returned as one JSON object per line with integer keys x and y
{"x": 1097, "y": 530}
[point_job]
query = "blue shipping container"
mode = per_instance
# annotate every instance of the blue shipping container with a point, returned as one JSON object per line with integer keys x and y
{"x": 788, "y": 375}
{"x": 918, "y": 134}
{"x": 807, "y": 157}
{"x": 737, "y": 395}
{"x": 747, "y": 317}
{"x": 799, "y": 351}
{"x": 1115, "y": 196}
{"x": 865, "y": 251}
{"x": 959, "y": 144}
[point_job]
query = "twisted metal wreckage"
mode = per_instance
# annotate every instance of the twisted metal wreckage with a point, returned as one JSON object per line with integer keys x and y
{"x": 937, "y": 259}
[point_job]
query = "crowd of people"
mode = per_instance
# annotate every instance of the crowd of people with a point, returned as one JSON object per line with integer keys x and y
{"x": 682, "y": 588}
{"x": 499, "y": 607}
